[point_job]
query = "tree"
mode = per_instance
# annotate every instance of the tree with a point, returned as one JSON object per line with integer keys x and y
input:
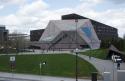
{"x": 124, "y": 36}
{"x": 118, "y": 43}
{"x": 124, "y": 41}
{"x": 17, "y": 41}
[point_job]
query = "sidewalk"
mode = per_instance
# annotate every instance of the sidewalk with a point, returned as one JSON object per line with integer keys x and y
{"x": 38, "y": 52}
{"x": 25, "y": 77}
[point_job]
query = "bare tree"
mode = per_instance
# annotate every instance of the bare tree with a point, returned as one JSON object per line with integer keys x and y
{"x": 17, "y": 41}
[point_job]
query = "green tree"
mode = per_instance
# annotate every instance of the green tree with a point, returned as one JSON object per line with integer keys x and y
{"x": 118, "y": 43}
{"x": 124, "y": 42}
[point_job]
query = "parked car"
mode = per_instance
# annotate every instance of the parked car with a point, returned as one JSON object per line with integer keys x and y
{"x": 116, "y": 58}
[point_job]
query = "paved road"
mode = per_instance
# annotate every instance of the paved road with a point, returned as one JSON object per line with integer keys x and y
{"x": 36, "y": 52}
{"x": 104, "y": 66}
{"x": 23, "y": 77}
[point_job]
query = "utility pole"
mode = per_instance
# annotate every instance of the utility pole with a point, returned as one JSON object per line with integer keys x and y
{"x": 76, "y": 51}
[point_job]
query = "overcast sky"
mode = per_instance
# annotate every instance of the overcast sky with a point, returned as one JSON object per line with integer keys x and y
{"x": 26, "y": 15}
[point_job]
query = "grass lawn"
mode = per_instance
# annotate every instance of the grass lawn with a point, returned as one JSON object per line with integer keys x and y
{"x": 56, "y": 65}
{"x": 99, "y": 53}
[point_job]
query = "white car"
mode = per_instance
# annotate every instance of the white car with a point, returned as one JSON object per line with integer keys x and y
{"x": 116, "y": 58}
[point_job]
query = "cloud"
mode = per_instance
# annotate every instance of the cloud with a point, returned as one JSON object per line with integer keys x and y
{"x": 1, "y": 6}
{"x": 117, "y": 1}
{"x": 92, "y": 1}
{"x": 100, "y": 1}
{"x": 19, "y": 23}
{"x": 5, "y": 3}
{"x": 36, "y": 15}
{"x": 30, "y": 9}
{"x": 27, "y": 17}
{"x": 11, "y": 2}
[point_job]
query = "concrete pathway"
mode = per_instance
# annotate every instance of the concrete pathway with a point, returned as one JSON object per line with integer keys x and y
{"x": 104, "y": 66}
{"x": 25, "y": 77}
{"x": 38, "y": 52}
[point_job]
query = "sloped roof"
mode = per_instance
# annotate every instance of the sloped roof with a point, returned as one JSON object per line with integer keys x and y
{"x": 72, "y": 16}
{"x": 113, "y": 48}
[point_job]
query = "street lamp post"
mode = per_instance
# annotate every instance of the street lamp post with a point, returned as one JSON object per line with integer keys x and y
{"x": 40, "y": 66}
{"x": 76, "y": 51}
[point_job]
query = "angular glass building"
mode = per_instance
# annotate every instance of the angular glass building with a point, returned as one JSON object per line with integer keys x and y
{"x": 69, "y": 34}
